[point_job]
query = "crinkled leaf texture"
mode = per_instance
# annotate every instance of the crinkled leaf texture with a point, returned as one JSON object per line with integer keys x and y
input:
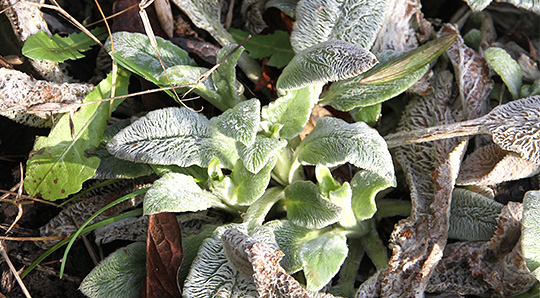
{"x": 348, "y": 94}
{"x": 530, "y": 232}
{"x": 256, "y": 156}
{"x": 354, "y": 21}
{"x": 306, "y": 206}
{"x": 291, "y": 111}
{"x": 321, "y": 259}
{"x": 241, "y": 122}
{"x": 212, "y": 275}
{"x": 173, "y": 136}
{"x": 507, "y": 68}
{"x": 119, "y": 275}
{"x": 178, "y": 193}
{"x": 331, "y": 60}
{"x": 59, "y": 165}
{"x": 334, "y": 142}
{"x": 365, "y": 186}
{"x": 473, "y": 217}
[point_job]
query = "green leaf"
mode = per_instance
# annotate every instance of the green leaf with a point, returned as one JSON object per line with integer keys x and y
{"x": 212, "y": 269}
{"x": 225, "y": 76}
{"x": 473, "y": 217}
{"x": 41, "y": 46}
{"x": 530, "y": 232}
{"x": 256, "y": 156}
{"x": 173, "y": 136}
{"x": 334, "y": 142}
{"x": 369, "y": 114}
{"x": 248, "y": 187}
{"x": 306, "y": 206}
{"x": 532, "y": 5}
{"x": 348, "y": 94}
{"x": 337, "y": 194}
{"x": 409, "y": 62}
{"x": 59, "y": 164}
{"x": 241, "y": 122}
{"x": 365, "y": 186}
{"x": 178, "y": 193}
{"x": 256, "y": 213}
{"x": 292, "y": 110}
{"x": 276, "y": 46}
{"x": 321, "y": 259}
{"x": 354, "y": 21}
{"x": 190, "y": 247}
{"x": 120, "y": 275}
{"x": 327, "y": 61}
{"x": 507, "y": 68}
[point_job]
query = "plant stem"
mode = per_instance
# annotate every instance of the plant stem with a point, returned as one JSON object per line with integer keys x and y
{"x": 374, "y": 247}
{"x": 349, "y": 269}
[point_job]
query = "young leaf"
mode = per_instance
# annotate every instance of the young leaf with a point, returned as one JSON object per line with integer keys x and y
{"x": 370, "y": 114}
{"x": 173, "y": 136}
{"x": 178, "y": 193}
{"x": 276, "y": 46}
{"x": 248, "y": 186}
{"x": 365, "y": 186}
{"x": 337, "y": 194}
{"x": 409, "y": 62}
{"x": 291, "y": 111}
{"x": 59, "y": 164}
{"x": 41, "y": 46}
{"x": 225, "y": 76}
{"x": 473, "y": 217}
{"x": 306, "y": 206}
{"x": 256, "y": 156}
{"x": 331, "y": 60}
{"x": 257, "y": 211}
{"x": 241, "y": 122}
{"x": 357, "y": 22}
{"x": 334, "y": 142}
{"x": 119, "y": 275}
{"x": 530, "y": 232}
{"x": 507, "y": 68}
{"x": 321, "y": 259}
{"x": 348, "y": 94}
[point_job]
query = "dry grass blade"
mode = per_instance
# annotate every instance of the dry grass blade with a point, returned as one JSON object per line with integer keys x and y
{"x": 13, "y": 270}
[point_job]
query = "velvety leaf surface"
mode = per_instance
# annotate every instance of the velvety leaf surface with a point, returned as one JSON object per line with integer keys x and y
{"x": 59, "y": 165}
{"x": 307, "y": 208}
{"x": 530, "y": 233}
{"x": 248, "y": 186}
{"x": 331, "y": 60}
{"x": 241, "y": 122}
{"x": 334, "y": 142}
{"x": 163, "y": 255}
{"x": 357, "y": 22}
{"x": 276, "y": 46}
{"x": 321, "y": 259}
{"x": 507, "y": 68}
{"x": 256, "y": 156}
{"x": 291, "y": 111}
{"x": 173, "y": 136}
{"x": 365, "y": 186}
{"x": 119, "y": 275}
{"x": 177, "y": 193}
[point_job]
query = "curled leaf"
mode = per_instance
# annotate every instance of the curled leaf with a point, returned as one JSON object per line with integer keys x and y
{"x": 327, "y": 61}
{"x": 507, "y": 68}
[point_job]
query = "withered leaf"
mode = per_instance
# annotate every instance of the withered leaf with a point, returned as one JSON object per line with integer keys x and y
{"x": 491, "y": 165}
{"x": 163, "y": 255}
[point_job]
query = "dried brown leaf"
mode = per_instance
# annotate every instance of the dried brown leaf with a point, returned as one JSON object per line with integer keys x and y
{"x": 490, "y": 165}
{"x": 163, "y": 255}
{"x": 165, "y": 17}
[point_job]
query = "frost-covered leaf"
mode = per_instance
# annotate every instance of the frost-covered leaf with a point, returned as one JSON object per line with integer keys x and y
{"x": 249, "y": 186}
{"x": 354, "y": 21}
{"x": 473, "y": 217}
{"x": 41, "y": 46}
{"x": 321, "y": 259}
{"x": 119, "y": 275}
{"x": 351, "y": 93}
{"x": 276, "y": 46}
{"x": 530, "y": 232}
{"x": 178, "y": 193}
{"x": 306, "y": 206}
{"x": 334, "y": 142}
{"x": 291, "y": 111}
{"x": 365, "y": 186}
{"x": 409, "y": 62}
{"x": 331, "y": 60}
{"x": 241, "y": 122}
{"x": 173, "y": 136}
{"x": 507, "y": 68}
{"x": 59, "y": 164}
{"x": 256, "y": 156}
{"x": 190, "y": 248}
{"x": 490, "y": 165}
{"x": 472, "y": 74}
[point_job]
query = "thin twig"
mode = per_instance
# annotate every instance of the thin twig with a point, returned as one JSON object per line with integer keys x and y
{"x": 13, "y": 270}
